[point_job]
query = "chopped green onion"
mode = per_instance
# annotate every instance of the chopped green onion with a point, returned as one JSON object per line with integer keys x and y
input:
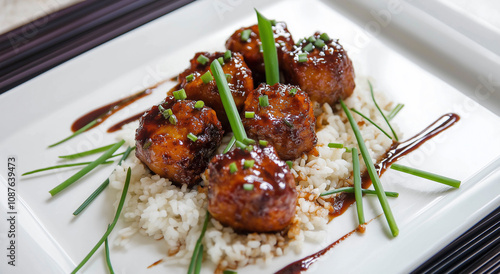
{"x": 190, "y": 78}
{"x": 102, "y": 186}
{"x": 248, "y": 164}
{"x": 240, "y": 144}
{"x": 273, "y": 22}
{"x": 371, "y": 122}
{"x": 249, "y": 141}
{"x": 228, "y": 77}
{"x": 248, "y": 187}
{"x": 161, "y": 108}
{"x": 78, "y": 132}
{"x": 395, "y": 111}
{"x": 299, "y": 42}
{"x": 108, "y": 259}
{"x": 180, "y": 94}
{"x": 202, "y": 59}
{"x": 290, "y": 125}
{"x": 324, "y": 37}
{"x": 221, "y": 60}
{"x": 308, "y": 48}
{"x": 293, "y": 91}
{"x": 319, "y": 43}
{"x": 230, "y": 145}
{"x": 335, "y": 145}
{"x": 260, "y": 48}
{"x": 192, "y": 137}
{"x": 86, "y": 169}
{"x": 302, "y": 57}
{"x": 249, "y": 148}
{"x": 249, "y": 114}
{"x": 263, "y": 143}
{"x": 311, "y": 39}
{"x": 263, "y": 101}
{"x": 172, "y": 119}
{"x": 227, "y": 271}
{"x": 227, "y": 55}
{"x": 380, "y": 110}
{"x": 86, "y": 153}
{"x": 60, "y": 166}
{"x": 245, "y": 35}
{"x": 233, "y": 168}
{"x": 228, "y": 102}
{"x": 290, "y": 164}
{"x": 111, "y": 226}
{"x": 372, "y": 172}
{"x": 364, "y": 191}
{"x": 195, "y": 259}
{"x": 269, "y": 50}
{"x": 357, "y": 186}
{"x": 147, "y": 144}
{"x": 427, "y": 175}
{"x": 199, "y": 104}
{"x": 165, "y": 112}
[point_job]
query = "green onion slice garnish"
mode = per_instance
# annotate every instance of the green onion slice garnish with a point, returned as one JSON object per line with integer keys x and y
{"x": 78, "y": 132}
{"x": 263, "y": 101}
{"x": 172, "y": 119}
{"x": 202, "y": 59}
{"x": 293, "y": 91}
{"x": 302, "y": 57}
{"x": 190, "y": 77}
{"x": 248, "y": 187}
{"x": 192, "y": 137}
{"x": 427, "y": 175}
{"x": 319, "y": 43}
{"x": 248, "y": 164}
{"x": 227, "y": 55}
{"x": 269, "y": 50}
{"x": 207, "y": 77}
{"x": 364, "y": 191}
{"x": 221, "y": 60}
{"x": 357, "y": 186}
{"x": 380, "y": 110}
{"x": 180, "y": 94}
{"x": 324, "y": 37}
{"x": 372, "y": 172}
{"x": 245, "y": 35}
{"x": 372, "y": 122}
{"x": 290, "y": 164}
{"x": 233, "y": 168}
{"x": 311, "y": 39}
{"x": 111, "y": 226}
{"x": 308, "y": 48}
{"x": 199, "y": 104}
{"x": 288, "y": 123}
{"x": 249, "y": 114}
{"x": 263, "y": 143}
{"x": 249, "y": 141}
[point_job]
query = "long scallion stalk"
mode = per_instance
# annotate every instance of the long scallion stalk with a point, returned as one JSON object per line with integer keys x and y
{"x": 380, "y": 110}
{"x": 372, "y": 172}
{"x": 357, "y": 186}
{"x": 427, "y": 175}
{"x": 111, "y": 226}
{"x": 78, "y": 132}
{"x": 86, "y": 169}
{"x": 195, "y": 258}
{"x": 395, "y": 111}
{"x": 269, "y": 49}
{"x": 86, "y": 153}
{"x": 108, "y": 259}
{"x": 372, "y": 122}
{"x": 61, "y": 166}
{"x": 364, "y": 191}
{"x": 229, "y": 145}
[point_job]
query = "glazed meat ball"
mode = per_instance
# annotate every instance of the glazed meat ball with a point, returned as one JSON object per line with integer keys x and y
{"x": 163, "y": 142}
{"x": 251, "y": 49}
{"x": 287, "y": 123}
{"x": 260, "y": 198}
{"x": 321, "y": 67}
{"x": 196, "y": 89}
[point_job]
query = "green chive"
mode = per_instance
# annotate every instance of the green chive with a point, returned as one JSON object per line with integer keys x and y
{"x": 248, "y": 187}
{"x": 108, "y": 259}
{"x": 357, "y": 186}
{"x": 199, "y": 104}
{"x": 302, "y": 57}
{"x": 245, "y": 35}
{"x": 319, "y": 43}
{"x": 372, "y": 172}
{"x": 86, "y": 153}
{"x": 202, "y": 59}
{"x": 199, "y": 260}
{"x": 263, "y": 143}
{"x": 364, "y": 191}
{"x": 190, "y": 78}
{"x": 380, "y": 110}
{"x": 229, "y": 272}
{"x": 60, "y": 166}
{"x": 233, "y": 168}
{"x": 172, "y": 119}
{"x": 221, "y": 60}
{"x": 111, "y": 226}
{"x": 102, "y": 186}
{"x": 78, "y": 132}
{"x": 263, "y": 101}
{"x": 248, "y": 164}
{"x": 290, "y": 164}
{"x": 249, "y": 114}
{"x": 371, "y": 122}
{"x": 290, "y": 125}
{"x": 395, "y": 111}
{"x": 192, "y": 137}
{"x": 269, "y": 50}
{"x": 230, "y": 145}
{"x": 227, "y": 55}
{"x": 324, "y": 37}
{"x": 293, "y": 91}
{"x": 207, "y": 77}
{"x": 197, "y": 247}
{"x": 308, "y": 48}
{"x": 86, "y": 169}
{"x": 335, "y": 145}
{"x": 180, "y": 94}
{"x": 228, "y": 102}
{"x": 427, "y": 175}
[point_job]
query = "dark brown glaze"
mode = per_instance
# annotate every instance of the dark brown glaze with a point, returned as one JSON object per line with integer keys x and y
{"x": 269, "y": 206}
{"x": 251, "y": 48}
{"x": 123, "y": 122}
{"x": 165, "y": 147}
{"x": 344, "y": 200}
{"x": 327, "y": 75}
{"x": 290, "y": 138}
{"x": 240, "y": 84}
{"x": 103, "y": 113}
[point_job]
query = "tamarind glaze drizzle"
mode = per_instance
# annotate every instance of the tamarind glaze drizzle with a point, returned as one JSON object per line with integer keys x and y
{"x": 395, "y": 152}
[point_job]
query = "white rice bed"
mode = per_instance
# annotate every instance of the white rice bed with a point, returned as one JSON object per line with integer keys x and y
{"x": 156, "y": 208}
